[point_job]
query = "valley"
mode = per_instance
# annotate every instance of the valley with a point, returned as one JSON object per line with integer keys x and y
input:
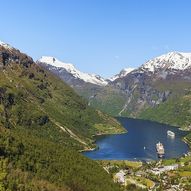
{"x": 95, "y": 95}
{"x": 159, "y": 90}
{"x": 40, "y": 112}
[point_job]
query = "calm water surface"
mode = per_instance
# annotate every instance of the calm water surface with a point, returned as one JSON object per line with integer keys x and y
{"x": 140, "y": 134}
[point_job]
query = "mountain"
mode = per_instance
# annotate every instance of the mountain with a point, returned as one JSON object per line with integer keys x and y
{"x": 142, "y": 91}
{"x": 69, "y": 73}
{"x": 98, "y": 91}
{"x": 122, "y": 74}
{"x": 43, "y": 125}
{"x": 156, "y": 89}
{"x": 74, "y": 77}
{"x": 176, "y": 61}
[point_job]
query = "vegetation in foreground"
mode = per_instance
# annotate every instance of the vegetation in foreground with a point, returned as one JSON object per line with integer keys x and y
{"x": 43, "y": 124}
{"x": 28, "y": 162}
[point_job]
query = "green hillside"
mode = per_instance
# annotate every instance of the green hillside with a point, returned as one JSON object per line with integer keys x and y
{"x": 107, "y": 99}
{"x": 43, "y": 123}
{"x": 174, "y": 112}
{"x": 177, "y": 109}
{"x": 34, "y": 163}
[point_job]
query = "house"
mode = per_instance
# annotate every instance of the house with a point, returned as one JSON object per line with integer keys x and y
{"x": 120, "y": 177}
{"x": 163, "y": 169}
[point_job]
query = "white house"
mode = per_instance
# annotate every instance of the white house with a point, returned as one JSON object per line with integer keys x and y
{"x": 120, "y": 177}
{"x": 164, "y": 169}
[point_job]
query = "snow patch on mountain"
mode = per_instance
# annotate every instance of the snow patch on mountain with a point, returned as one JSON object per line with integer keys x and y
{"x": 122, "y": 74}
{"x": 5, "y": 45}
{"x": 91, "y": 78}
{"x": 172, "y": 60}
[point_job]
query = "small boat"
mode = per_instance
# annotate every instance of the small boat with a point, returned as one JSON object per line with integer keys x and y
{"x": 144, "y": 148}
{"x": 171, "y": 134}
{"x": 160, "y": 149}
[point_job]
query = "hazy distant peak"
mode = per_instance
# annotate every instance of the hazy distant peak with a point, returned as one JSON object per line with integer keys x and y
{"x": 122, "y": 73}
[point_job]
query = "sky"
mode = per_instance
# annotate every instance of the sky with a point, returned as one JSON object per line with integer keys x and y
{"x": 97, "y": 36}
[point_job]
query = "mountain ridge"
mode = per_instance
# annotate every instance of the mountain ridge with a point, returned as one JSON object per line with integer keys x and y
{"x": 171, "y": 60}
{"x": 174, "y": 61}
{"x": 5, "y": 45}
{"x": 70, "y": 68}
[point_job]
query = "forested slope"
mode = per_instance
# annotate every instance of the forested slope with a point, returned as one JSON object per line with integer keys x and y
{"x": 43, "y": 124}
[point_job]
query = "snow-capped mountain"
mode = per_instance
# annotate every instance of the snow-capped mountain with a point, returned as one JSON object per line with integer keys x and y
{"x": 170, "y": 61}
{"x": 143, "y": 85}
{"x": 60, "y": 67}
{"x": 122, "y": 74}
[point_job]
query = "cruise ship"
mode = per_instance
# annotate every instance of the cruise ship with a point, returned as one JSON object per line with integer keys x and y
{"x": 160, "y": 149}
{"x": 170, "y": 134}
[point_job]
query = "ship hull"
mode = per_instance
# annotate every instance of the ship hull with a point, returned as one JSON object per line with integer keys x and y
{"x": 160, "y": 150}
{"x": 160, "y": 155}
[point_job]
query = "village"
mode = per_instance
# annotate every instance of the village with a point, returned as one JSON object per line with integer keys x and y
{"x": 169, "y": 175}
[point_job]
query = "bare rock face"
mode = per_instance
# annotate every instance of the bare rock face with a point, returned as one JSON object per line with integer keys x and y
{"x": 12, "y": 55}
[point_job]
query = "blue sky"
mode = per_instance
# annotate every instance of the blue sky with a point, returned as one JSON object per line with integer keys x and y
{"x": 97, "y": 36}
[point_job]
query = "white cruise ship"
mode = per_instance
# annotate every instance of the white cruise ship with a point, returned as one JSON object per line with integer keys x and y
{"x": 160, "y": 149}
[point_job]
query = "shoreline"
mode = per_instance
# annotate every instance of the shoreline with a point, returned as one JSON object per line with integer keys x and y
{"x": 87, "y": 149}
{"x": 94, "y": 141}
{"x": 184, "y": 139}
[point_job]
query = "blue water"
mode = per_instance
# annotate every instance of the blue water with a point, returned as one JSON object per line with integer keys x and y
{"x": 141, "y": 133}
